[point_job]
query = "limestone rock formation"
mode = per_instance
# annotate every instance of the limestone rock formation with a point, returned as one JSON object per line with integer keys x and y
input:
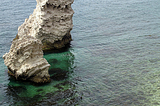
{"x": 25, "y": 60}
{"x": 51, "y": 22}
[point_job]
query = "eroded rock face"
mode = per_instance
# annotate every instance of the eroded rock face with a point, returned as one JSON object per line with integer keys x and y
{"x": 51, "y": 22}
{"x": 25, "y": 60}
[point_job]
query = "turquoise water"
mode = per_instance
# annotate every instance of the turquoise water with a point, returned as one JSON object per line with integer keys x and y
{"x": 113, "y": 59}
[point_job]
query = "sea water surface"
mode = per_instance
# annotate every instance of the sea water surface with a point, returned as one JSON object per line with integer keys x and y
{"x": 113, "y": 60}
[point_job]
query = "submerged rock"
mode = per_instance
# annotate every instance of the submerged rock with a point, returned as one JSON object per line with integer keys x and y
{"x": 51, "y": 22}
{"x": 15, "y": 90}
{"x": 58, "y": 74}
{"x": 25, "y": 60}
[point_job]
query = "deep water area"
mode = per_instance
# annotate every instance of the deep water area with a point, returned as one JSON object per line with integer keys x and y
{"x": 113, "y": 60}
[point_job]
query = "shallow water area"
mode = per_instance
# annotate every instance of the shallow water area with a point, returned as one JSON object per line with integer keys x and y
{"x": 113, "y": 59}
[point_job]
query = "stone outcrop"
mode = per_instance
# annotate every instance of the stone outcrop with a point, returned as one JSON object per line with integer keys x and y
{"x": 51, "y": 22}
{"x": 25, "y": 60}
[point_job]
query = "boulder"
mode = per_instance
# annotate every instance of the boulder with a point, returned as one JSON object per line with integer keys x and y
{"x": 51, "y": 22}
{"x": 25, "y": 60}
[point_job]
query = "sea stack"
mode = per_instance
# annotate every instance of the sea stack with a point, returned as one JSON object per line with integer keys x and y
{"x": 51, "y": 22}
{"x": 25, "y": 60}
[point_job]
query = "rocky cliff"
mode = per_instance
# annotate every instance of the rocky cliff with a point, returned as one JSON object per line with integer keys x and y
{"x": 51, "y": 22}
{"x": 25, "y": 60}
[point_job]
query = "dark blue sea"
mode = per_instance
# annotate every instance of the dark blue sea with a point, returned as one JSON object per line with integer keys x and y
{"x": 113, "y": 60}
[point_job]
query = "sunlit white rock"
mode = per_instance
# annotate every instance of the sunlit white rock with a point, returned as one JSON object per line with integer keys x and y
{"x": 51, "y": 22}
{"x": 25, "y": 60}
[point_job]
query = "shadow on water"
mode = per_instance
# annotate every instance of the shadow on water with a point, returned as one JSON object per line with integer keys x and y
{"x": 61, "y": 90}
